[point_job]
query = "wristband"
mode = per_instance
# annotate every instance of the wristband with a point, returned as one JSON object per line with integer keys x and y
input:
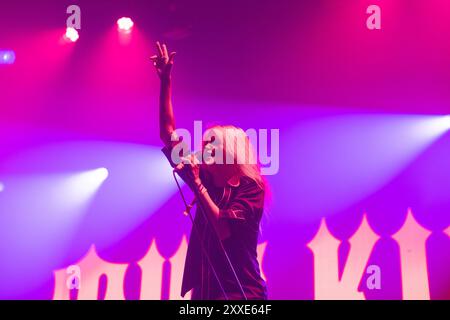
{"x": 201, "y": 189}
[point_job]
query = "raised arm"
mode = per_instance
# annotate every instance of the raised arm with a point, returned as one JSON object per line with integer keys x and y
{"x": 163, "y": 63}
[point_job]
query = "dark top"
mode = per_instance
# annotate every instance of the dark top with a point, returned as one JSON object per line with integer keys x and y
{"x": 242, "y": 206}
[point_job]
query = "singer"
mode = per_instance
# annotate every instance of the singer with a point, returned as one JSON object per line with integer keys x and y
{"x": 221, "y": 261}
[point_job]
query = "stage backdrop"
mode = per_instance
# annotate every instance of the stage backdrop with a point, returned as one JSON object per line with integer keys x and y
{"x": 357, "y": 131}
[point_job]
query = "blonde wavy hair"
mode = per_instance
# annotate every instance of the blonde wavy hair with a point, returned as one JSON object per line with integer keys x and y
{"x": 237, "y": 150}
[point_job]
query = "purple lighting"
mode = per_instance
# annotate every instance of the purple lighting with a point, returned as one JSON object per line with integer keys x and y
{"x": 362, "y": 149}
{"x": 82, "y": 186}
{"x": 368, "y": 151}
{"x": 7, "y": 56}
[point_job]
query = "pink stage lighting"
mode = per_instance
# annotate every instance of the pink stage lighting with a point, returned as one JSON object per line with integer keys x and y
{"x": 125, "y": 24}
{"x": 71, "y": 34}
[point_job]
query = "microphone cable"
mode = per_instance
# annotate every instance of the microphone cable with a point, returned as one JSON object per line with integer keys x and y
{"x": 197, "y": 234}
{"x": 230, "y": 264}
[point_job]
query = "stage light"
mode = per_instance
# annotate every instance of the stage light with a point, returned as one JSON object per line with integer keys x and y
{"x": 442, "y": 123}
{"x": 102, "y": 173}
{"x": 93, "y": 178}
{"x": 79, "y": 188}
{"x": 7, "y": 57}
{"x": 125, "y": 24}
{"x": 446, "y": 121}
{"x": 434, "y": 126}
{"x": 2, "y": 187}
{"x": 71, "y": 34}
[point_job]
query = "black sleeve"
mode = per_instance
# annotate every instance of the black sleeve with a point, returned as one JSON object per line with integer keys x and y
{"x": 247, "y": 201}
{"x": 167, "y": 150}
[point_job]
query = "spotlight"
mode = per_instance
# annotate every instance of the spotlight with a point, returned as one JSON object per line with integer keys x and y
{"x": 101, "y": 174}
{"x": 125, "y": 24}
{"x": 71, "y": 34}
{"x": 2, "y": 187}
{"x": 7, "y": 57}
{"x": 82, "y": 186}
{"x": 442, "y": 123}
{"x": 94, "y": 177}
{"x": 447, "y": 121}
{"x": 431, "y": 127}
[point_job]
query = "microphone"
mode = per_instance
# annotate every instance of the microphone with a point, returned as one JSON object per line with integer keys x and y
{"x": 189, "y": 207}
{"x": 197, "y": 155}
{"x": 176, "y": 170}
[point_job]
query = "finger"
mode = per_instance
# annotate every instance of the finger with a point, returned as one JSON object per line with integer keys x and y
{"x": 179, "y": 167}
{"x": 154, "y": 60}
{"x": 158, "y": 48}
{"x": 194, "y": 160}
{"x": 172, "y": 56}
{"x": 185, "y": 160}
{"x": 166, "y": 55}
